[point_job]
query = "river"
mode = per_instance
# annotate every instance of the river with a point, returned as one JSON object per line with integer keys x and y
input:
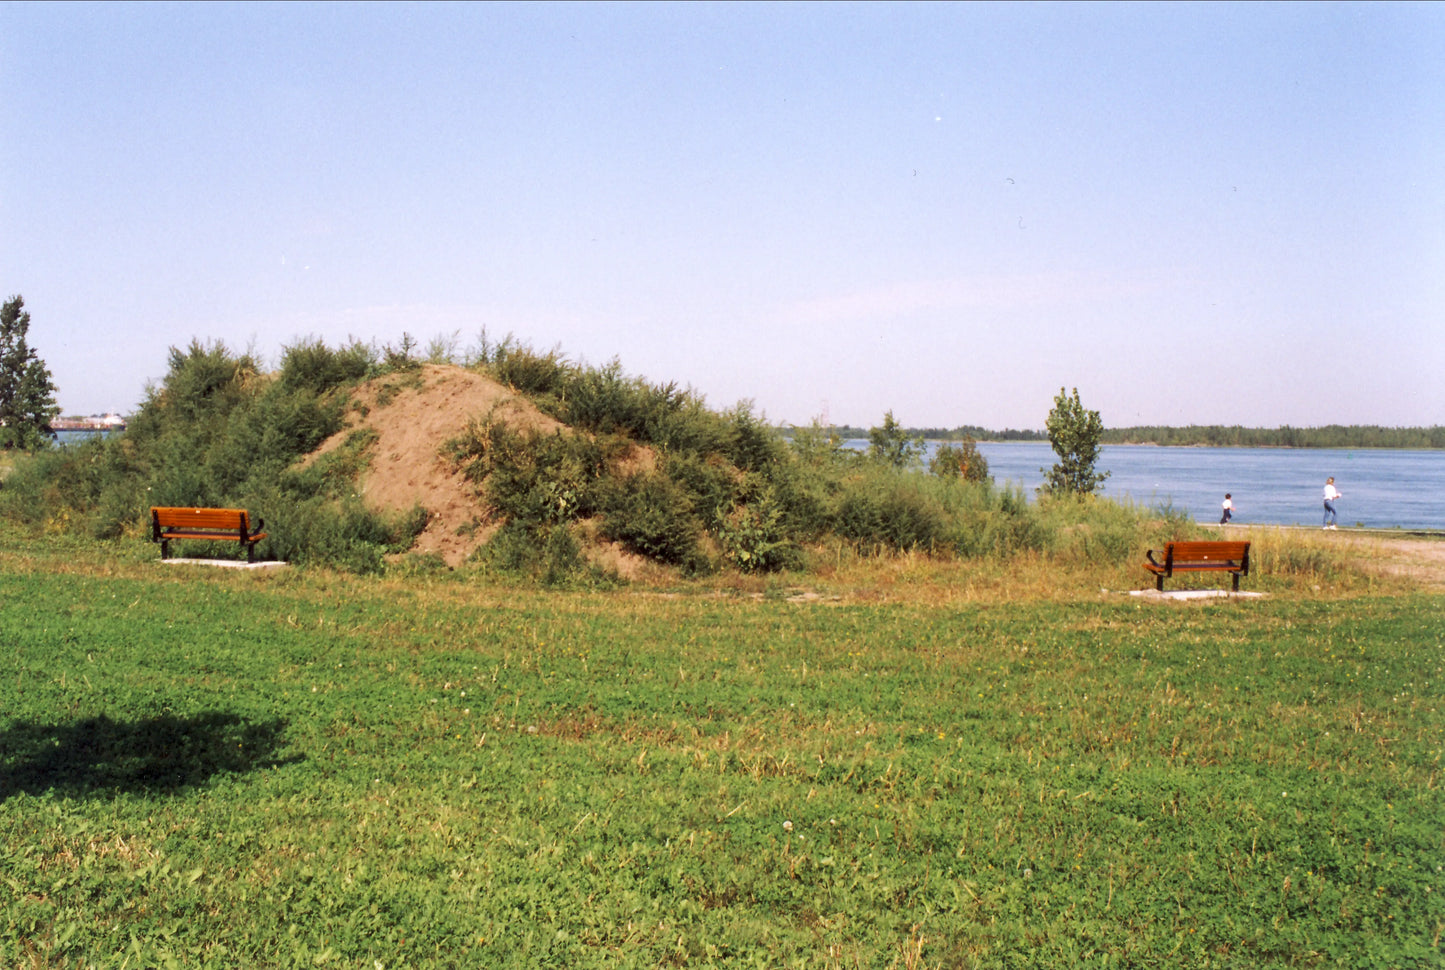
{"x": 1382, "y": 488}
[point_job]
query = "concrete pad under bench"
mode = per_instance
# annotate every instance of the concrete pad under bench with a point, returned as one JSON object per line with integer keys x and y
{"x": 1193, "y": 594}
{"x": 224, "y": 563}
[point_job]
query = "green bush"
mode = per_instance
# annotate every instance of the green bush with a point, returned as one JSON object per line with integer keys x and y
{"x": 960, "y": 460}
{"x": 548, "y": 554}
{"x": 751, "y": 444}
{"x": 604, "y": 401}
{"x": 891, "y": 445}
{"x": 652, "y": 516}
{"x": 313, "y": 366}
{"x": 219, "y": 432}
{"x": 529, "y": 371}
{"x": 710, "y": 482}
{"x": 884, "y": 510}
{"x": 344, "y": 535}
{"x": 985, "y": 520}
{"x": 754, "y": 538}
{"x": 534, "y": 477}
{"x": 818, "y": 447}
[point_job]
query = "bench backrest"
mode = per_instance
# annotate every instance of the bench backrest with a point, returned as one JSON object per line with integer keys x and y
{"x": 220, "y": 520}
{"x": 1200, "y": 552}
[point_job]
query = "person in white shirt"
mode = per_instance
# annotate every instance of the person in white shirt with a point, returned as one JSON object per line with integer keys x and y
{"x": 1228, "y": 510}
{"x": 1331, "y": 494}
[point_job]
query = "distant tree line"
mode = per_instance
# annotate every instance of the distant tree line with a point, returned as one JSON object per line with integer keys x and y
{"x": 1219, "y": 436}
{"x": 965, "y": 432}
{"x": 1329, "y": 436}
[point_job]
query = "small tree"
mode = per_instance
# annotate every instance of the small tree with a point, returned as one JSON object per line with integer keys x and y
{"x": 27, "y": 396}
{"x": 820, "y": 447}
{"x": 1074, "y": 432}
{"x": 960, "y": 461}
{"x": 892, "y": 445}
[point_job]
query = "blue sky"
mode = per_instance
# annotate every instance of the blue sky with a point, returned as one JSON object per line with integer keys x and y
{"x": 1194, "y": 214}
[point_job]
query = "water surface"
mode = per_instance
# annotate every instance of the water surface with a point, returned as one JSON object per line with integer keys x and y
{"x": 1382, "y": 488}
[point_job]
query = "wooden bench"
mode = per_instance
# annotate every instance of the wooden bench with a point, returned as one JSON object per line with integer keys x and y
{"x": 1199, "y": 557}
{"x": 221, "y": 525}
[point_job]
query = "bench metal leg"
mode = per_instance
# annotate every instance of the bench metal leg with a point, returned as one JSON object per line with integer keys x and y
{"x": 1159, "y": 582}
{"x": 1236, "y": 581}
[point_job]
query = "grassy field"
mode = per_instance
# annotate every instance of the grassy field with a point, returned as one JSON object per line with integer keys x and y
{"x": 202, "y": 768}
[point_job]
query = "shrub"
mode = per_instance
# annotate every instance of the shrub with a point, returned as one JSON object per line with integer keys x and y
{"x": 401, "y": 357}
{"x": 310, "y": 365}
{"x": 750, "y": 444}
{"x": 652, "y": 516}
{"x": 960, "y": 461}
{"x": 604, "y": 401}
{"x": 886, "y": 510}
{"x": 534, "y": 477}
{"x": 530, "y": 372}
{"x": 710, "y": 482}
{"x": 754, "y": 538}
{"x": 344, "y": 534}
{"x": 893, "y": 446}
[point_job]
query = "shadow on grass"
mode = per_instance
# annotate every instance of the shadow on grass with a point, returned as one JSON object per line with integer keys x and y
{"x": 157, "y": 755}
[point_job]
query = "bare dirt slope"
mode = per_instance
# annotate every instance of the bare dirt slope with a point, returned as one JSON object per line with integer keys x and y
{"x": 414, "y": 414}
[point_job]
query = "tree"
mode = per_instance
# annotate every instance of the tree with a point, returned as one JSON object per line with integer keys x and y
{"x": 960, "y": 461}
{"x": 893, "y": 445}
{"x": 27, "y": 396}
{"x": 820, "y": 447}
{"x": 1074, "y": 432}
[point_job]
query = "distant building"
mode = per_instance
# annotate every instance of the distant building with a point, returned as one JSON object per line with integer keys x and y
{"x": 93, "y": 422}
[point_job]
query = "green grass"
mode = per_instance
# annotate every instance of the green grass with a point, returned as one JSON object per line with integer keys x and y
{"x": 209, "y": 769}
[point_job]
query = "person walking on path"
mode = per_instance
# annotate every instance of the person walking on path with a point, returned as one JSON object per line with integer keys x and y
{"x": 1332, "y": 494}
{"x": 1228, "y": 510}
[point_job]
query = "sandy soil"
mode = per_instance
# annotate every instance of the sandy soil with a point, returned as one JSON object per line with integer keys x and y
{"x": 420, "y": 414}
{"x": 414, "y": 416}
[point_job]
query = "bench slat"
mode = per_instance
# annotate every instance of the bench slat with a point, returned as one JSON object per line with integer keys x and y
{"x": 233, "y": 519}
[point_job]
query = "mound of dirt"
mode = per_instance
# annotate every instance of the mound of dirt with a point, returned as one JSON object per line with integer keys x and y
{"x": 414, "y": 415}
